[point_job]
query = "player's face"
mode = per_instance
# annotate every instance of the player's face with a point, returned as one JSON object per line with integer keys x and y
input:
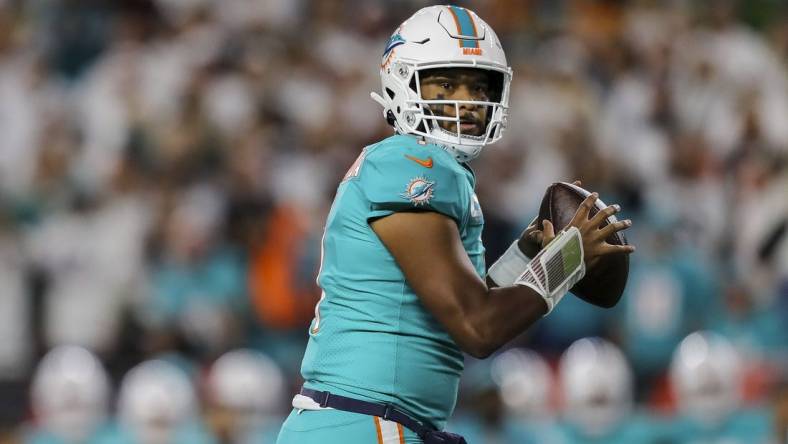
{"x": 458, "y": 84}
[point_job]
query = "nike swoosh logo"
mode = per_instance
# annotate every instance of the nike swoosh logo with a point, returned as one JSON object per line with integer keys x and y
{"x": 427, "y": 163}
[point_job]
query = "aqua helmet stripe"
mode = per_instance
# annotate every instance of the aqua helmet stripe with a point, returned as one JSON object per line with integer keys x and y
{"x": 465, "y": 26}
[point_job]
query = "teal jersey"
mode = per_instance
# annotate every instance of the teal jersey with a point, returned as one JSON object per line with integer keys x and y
{"x": 371, "y": 338}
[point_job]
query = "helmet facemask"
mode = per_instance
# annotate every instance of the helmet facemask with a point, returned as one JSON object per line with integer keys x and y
{"x": 424, "y": 117}
{"x": 434, "y": 111}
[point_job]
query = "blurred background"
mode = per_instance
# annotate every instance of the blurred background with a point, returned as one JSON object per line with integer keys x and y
{"x": 166, "y": 167}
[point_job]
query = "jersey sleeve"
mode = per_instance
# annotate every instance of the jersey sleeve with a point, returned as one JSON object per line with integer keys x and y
{"x": 409, "y": 180}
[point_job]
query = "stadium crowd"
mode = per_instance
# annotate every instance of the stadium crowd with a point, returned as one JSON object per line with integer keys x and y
{"x": 166, "y": 167}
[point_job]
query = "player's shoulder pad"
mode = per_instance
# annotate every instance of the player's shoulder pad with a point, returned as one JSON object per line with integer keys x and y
{"x": 407, "y": 153}
{"x": 402, "y": 174}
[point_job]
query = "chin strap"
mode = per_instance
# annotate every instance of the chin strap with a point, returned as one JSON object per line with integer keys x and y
{"x": 555, "y": 269}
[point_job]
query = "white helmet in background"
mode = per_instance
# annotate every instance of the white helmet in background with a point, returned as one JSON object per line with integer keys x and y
{"x": 70, "y": 393}
{"x": 442, "y": 37}
{"x": 596, "y": 380}
{"x": 247, "y": 381}
{"x": 156, "y": 398}
{"x": 705, "y": 374}
{"x": 524, "y": 380}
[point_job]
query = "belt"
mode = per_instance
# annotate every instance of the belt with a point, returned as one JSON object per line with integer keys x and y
{"x": 385, "y": 411}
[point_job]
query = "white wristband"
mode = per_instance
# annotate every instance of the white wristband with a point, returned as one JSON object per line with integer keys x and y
{"x": 509, "y": 266}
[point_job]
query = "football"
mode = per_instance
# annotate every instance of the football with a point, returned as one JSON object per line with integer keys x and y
{"x": 604, "y": 284}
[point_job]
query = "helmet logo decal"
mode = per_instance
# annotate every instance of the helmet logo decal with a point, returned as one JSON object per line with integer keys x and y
{"x": 466, "y": 27}
{"x": 419, "y": 191}
{"x": 393, "y": 42}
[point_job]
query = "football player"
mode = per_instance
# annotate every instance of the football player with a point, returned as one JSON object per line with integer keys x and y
{"x": 157, "y": 405}
{"x": 510, "y": 400}
{"x": 706, "y": 373}
{"x": 70, "y": 396}
{"x": 403, "y": 272}
{"x": 245, "y": 394}
{"x": 596, "y": 383}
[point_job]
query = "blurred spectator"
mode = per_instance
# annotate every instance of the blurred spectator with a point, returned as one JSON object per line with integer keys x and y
{"x": 15, "y": 351}
{"x": 92, "y": 255}
{"x": 197, "y": 280}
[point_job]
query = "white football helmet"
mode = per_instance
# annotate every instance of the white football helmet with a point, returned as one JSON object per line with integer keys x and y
{"x": 156, "y": 398}
{"x": 524, "y": 380}
{"x": 442, "y": 37}
{"x": 596, "y": 381}
{"x": 247, "y": 381}
{"x": 70, "y": 393}
{"x": 705, "y": 374}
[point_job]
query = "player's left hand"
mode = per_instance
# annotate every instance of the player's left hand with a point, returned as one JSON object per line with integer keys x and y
{"x": 533, "y": 239}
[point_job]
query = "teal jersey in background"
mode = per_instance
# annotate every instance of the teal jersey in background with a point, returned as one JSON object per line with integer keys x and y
{"x": 637, "y": 428}
{"x": 371, "y": 338}
{"x": 103, "y": 434}
{"x": 509, "y": 431}
{"x": 745, "y": 426}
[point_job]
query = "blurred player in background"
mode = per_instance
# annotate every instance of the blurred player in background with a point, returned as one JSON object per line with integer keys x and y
{"x": 402, "y": 270}
{"x": 596, "y": 382}
{"x": 157, "y": 405}
{"x": 509, "y": 400}
{"x": 706, "y": 375}
{"x": 70, "y": 397}
{"x": 245, "y": 394}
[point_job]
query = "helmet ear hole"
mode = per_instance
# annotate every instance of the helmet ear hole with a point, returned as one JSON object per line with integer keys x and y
{"x": 496, "y": 85}
{"x": 390, "y": 119}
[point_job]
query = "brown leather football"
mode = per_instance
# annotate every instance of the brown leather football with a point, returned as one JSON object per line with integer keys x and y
{"x": 604, "y": 284}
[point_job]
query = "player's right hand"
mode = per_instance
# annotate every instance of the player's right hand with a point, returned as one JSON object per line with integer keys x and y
{"x": 592, "y": 231}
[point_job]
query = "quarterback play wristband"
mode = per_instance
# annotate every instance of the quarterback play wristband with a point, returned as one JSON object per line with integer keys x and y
{"x": 556, "y": 268}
